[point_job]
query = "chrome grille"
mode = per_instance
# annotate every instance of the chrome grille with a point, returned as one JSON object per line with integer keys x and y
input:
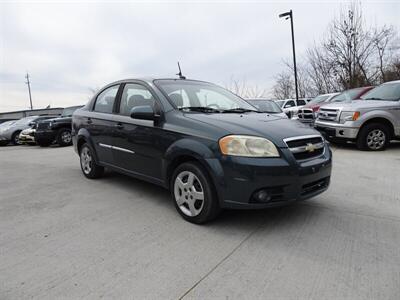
{"x": 305, "y": 114}
{"x": 327, "y": 114}
{"x": 42, "y": 125}
{"x": 306, "y": 147}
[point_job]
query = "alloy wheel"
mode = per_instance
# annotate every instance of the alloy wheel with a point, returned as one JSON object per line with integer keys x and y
{"x": 189, "y": 193}
{"x": 66, "y": 137}
{"x": 376, "y": 139}
{"x": 86, "y": 160}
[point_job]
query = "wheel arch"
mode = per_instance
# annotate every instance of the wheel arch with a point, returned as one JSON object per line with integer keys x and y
{"x": 186, "y": 150}
{"x": 83, "y": 137}
{"x": 380, "y": 120}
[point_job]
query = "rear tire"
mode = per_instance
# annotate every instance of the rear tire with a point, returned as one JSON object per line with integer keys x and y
{"x": 88, "y": 164}
{"x": 64, "y": 137}
{"x": 194, "y": 194}
{"x": 15, "y": 138}
{"x": 373, "y": 137}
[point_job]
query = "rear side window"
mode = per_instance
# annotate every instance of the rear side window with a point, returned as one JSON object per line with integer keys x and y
{"x": 105, "y": 100}
{"x": 134, "y": 95}
{"x": 290, "y": 104}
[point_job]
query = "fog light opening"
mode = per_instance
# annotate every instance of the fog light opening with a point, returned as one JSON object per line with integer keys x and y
{"x": 262, "y": 196}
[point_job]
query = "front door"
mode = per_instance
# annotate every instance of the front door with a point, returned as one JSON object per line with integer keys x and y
{"x": 137, "y": 143}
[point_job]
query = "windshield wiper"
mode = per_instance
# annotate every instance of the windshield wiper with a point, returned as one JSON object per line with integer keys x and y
{"x": 200, "y": 109}
{"x": 239, "y": 110}
{"x": 373, "y": 98}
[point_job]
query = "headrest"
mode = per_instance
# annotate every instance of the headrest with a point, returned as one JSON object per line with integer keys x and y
{"x": 137, "y": 100}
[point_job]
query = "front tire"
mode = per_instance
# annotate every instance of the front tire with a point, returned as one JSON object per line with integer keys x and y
{"x": 88, "y": 164}
{"x": 193, "y": 193}
{"x": 15, "y": 138}
{"x": 373, "y": 137}
{"x": 64, "y": 137}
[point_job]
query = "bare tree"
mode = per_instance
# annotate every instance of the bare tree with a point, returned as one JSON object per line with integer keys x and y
{"x": 241, "y": 88}
{"x": 284, "y": 86}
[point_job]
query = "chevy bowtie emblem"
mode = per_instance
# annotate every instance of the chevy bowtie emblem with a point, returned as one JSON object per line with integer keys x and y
{"x": 310, "y": 147}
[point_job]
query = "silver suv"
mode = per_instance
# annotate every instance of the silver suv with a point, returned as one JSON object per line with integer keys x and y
{"x": 371, "y": 122}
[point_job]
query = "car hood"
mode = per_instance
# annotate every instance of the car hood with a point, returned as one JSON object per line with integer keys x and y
{"x": 272, "y": 127}
{"x": 362, "y": 105}
{"x": 63, "y": 119}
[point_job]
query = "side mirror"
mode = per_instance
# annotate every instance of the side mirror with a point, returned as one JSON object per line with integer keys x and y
{"x": 144, "y": 112}
{"x": 287, "y": 106}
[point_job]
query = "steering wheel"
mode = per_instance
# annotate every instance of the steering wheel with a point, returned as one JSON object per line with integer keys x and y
{"x": 216, "y": 106}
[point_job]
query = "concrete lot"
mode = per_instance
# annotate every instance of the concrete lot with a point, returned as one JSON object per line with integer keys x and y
{"x": 63, "y": 236}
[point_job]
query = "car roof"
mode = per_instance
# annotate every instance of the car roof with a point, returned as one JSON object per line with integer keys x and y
{"x": 150, "y": 80}
{"x": 392, "y": 82}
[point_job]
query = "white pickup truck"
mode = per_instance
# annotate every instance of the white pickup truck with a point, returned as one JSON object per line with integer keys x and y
{"x": 371, "y": 122}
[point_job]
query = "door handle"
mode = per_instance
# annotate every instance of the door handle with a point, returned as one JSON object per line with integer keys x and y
{"x": 89, "y": 121}
{"x": 119, "y": 126}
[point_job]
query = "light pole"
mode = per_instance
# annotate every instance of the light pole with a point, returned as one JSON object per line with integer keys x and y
{"x": 29, "y": 88}
{"x": 289, "y": 14}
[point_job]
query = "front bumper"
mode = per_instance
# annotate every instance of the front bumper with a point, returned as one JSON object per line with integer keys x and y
{"x": 337, "y": 130}
{"x": 45, "y": 136}
{"x": 284, "y": 179}
{"x": 26, "y": 138}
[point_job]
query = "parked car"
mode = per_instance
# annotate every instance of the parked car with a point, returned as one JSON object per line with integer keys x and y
{"x": 267, "y": 106}
{"x": 56, "y": 130}
{"x": 371, "y": 122}
{"x": 352, "y": 94}
{"x": 212, "y": 149}
{"x": 291, "y": 106}
{"x": 3, "y": 126}
{"x": 27, "y": 136}
{"x": 308, "y": 112}
{"x": 11, "y": 132}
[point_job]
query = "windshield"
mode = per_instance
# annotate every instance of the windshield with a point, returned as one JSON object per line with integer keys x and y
{"x": 387, "y": 92}
{"x": 347, "y": 96}
{"x": 319, "y": 99}
{"x": 194, "y": 94}
{"x": 68, "y": 111}
{"x": 280, "y": 102}
{"x": 267, "y": 106}
{"x": 25, "y": 120}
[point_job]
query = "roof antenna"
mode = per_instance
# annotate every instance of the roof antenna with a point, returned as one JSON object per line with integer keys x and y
{"x": 180, "y": 72}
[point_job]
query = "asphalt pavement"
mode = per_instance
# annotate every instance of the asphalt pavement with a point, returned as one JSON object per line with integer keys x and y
{"x": 64, "y": 236}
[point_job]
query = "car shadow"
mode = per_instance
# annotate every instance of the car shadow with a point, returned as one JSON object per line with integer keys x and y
{"x": 352, "y": 146}
{"x": 238, "y": 219}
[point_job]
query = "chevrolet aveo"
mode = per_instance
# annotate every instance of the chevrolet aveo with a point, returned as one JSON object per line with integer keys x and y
{"x": 211, "y": 148}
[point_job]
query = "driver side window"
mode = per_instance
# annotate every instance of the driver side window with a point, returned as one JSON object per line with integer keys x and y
{"x": 134, "y": 95}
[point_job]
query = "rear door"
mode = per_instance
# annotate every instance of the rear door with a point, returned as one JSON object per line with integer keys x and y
{"x": 137, "y": 143}
{"x": 100, "y": 123}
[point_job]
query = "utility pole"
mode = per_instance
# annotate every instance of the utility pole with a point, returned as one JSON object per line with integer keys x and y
{"x": 29, "y": 89}
{"x": 288, "y": 15}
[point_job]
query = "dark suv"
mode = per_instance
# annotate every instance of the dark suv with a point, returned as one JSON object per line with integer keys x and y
{"x": 212, "y": 149}
{"x": 56, "y": 130}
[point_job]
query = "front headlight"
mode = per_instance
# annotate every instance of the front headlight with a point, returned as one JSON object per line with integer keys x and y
{"x": 349, "y": 116}
{"x": 250, "y": 146}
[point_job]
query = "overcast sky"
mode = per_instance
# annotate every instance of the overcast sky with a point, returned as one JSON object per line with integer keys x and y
{"x": 70, "y": 47}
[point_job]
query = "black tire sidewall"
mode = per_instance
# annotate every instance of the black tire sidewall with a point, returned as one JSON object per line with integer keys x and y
{"x": 210, "y": 207}
{"x": 59, "y": 139}
{"x": 362, "y": 137}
